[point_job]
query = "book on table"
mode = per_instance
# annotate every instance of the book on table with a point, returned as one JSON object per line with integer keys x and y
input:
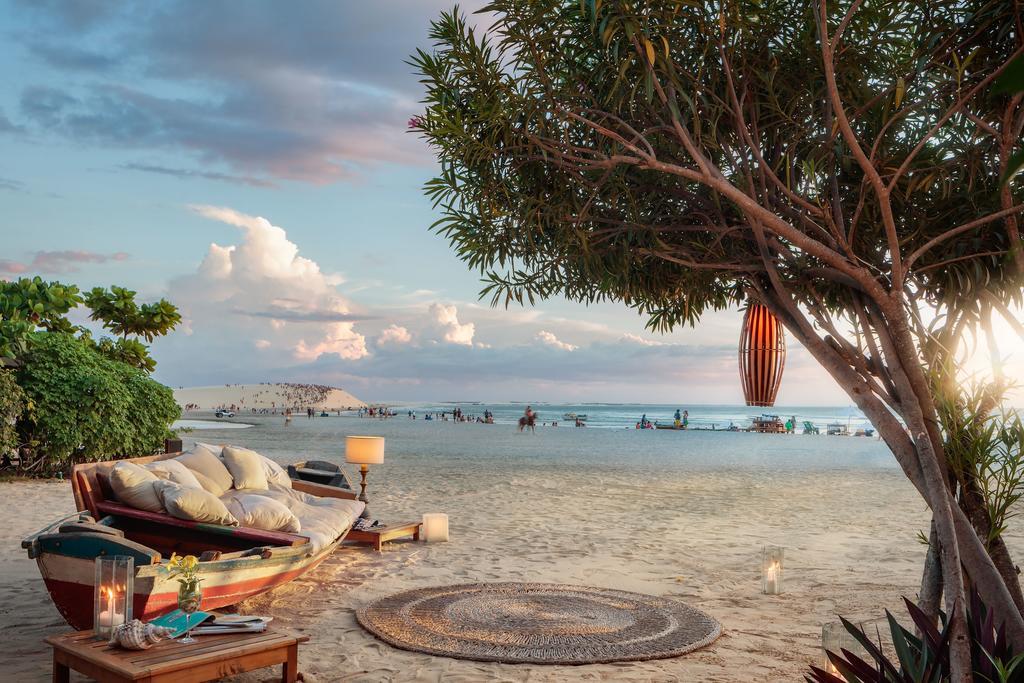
{"x": 210, "y": 623}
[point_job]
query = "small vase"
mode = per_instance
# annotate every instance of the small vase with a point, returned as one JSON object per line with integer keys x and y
{"x": 190, "y": 595}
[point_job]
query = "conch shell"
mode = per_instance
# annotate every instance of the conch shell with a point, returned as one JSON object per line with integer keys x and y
{"x": 136, "y": 635}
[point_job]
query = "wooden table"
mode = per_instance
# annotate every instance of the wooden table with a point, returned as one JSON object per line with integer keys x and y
{"x": 378, "y": 535}
{"x": 210, "y": 658}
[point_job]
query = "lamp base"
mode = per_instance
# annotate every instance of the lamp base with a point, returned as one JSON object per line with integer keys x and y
{"x": 363, "y": 469}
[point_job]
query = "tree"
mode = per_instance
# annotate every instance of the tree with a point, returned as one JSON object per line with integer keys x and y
{"x": 839, "y": 163}
{"x": 117, "y": 309}
{"x": 27, "y": 304}
{"x": 84, "y": 406}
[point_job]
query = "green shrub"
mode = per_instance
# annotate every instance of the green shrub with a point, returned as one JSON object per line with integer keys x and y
{"x": 84, "y": 406}
{"x": 12, "y": 404}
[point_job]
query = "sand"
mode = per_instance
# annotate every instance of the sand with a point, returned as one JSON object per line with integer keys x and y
{"x": 695, "y": 536}
{"x": 267, "y": 396}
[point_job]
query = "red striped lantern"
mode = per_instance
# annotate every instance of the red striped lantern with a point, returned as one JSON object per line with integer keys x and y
{"x": 762, "y": 355}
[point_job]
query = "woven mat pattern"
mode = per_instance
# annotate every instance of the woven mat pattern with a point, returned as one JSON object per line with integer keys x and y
{"x": 538, "y": 623}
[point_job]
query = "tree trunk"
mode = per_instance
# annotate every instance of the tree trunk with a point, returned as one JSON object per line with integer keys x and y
{"x": 929, "y": 598}
{"x": 974, "y": 506}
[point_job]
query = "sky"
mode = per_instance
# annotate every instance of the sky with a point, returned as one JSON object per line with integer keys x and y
{"x": 250, "y": 161}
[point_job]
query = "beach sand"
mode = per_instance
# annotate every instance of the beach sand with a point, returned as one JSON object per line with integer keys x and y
{"x": 267, "y": 396}
{"x": 696, "y": 536}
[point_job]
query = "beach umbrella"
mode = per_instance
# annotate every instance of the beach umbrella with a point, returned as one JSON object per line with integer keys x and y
{"x": 762, "y": 355}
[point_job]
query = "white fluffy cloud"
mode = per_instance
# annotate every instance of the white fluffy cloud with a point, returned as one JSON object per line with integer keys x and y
{"x": 264, "y": 288}
{"x": 549, "y": 339}
{"x": 446, "y": 320}
{"x": 394, "y": 334}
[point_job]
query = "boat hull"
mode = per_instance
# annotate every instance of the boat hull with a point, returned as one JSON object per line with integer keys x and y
{"x": 69, "y": 581}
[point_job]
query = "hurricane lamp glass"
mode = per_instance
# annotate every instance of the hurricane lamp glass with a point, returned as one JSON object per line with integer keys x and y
{"x": 113, "y": 590}
{"x": 771, "y": 569}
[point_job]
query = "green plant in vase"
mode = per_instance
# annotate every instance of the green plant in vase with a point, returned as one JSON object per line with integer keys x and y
{"x": 190, "y": 593}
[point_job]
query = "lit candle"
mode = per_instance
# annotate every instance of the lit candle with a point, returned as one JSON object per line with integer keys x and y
{"x": 772, "y": 578}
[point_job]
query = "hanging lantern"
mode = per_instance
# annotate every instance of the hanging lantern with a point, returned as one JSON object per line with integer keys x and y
{"x": 762, "y": 356}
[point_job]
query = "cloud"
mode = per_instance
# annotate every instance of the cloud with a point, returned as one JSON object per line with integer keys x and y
{"x": 187, "y": 174}
{"x": 285, "y": 299}
{"x": 446, "y": 320}
{"x": 636, "y": 339}
{"x": 11, "y": 184}
{"x": 269, "y": 93}
{"x": 291, "y": 314}
{"x": 394, "y": 334}
{"x": 73, "y": 58}
{"x": 549, "y": 339}
{"x": 67, "y": 261}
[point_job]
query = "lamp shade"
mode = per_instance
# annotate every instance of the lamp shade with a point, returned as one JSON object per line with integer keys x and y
{"x": 364, "y": 450}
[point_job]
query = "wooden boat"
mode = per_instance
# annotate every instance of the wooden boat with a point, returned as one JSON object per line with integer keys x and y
{"x": 768, "y": 424}
{"x": 837, "y": 429}
{"x": 234, "y": 562}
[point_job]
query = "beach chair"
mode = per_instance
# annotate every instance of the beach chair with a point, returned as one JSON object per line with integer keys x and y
{"x": 809, "y": 428}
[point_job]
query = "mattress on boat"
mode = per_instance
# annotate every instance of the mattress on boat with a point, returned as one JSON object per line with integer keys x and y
{"x": 322, "y": 520}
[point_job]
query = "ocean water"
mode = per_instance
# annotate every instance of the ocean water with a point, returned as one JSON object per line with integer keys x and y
{"x": 623, "y": 415}
{"x": 423, "y": 448}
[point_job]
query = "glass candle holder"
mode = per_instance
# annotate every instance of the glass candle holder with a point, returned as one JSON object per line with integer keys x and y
{"x": 835, "y": 638}
{"x": 771, "y": 569}
{"x": 113, "y": 590}
{"x": 435, "y": 527}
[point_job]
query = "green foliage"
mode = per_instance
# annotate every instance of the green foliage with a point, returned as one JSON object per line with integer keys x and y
{"x": 86, "y": 406}
{"x": 984, "y": 448}
{"x": 12, "y": 404}
{"x": 571, "y": 139}
{"x": 120, "y": 314}
{"x": 923, "y": 657}
{"x": 27, "y": 304}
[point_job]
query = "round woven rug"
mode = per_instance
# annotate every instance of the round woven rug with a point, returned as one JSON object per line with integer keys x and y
{"x": 538, "y": 623}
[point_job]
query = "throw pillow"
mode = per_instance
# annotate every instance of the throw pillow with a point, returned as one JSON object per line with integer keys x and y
{"x": 194, "y": 505}
{"x": 246, "y": 468}
{"x": 133, "y": 485}
{"x": 208, "y": 469}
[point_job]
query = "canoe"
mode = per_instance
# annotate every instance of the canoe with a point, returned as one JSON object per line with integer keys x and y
{"x": 235, "y": 563}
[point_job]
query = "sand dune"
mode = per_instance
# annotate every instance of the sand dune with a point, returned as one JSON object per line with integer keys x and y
{"x": 269, "y": 396}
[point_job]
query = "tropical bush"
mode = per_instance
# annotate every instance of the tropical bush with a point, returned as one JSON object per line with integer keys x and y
{"x": 84, "y": 406}
{"x": 12, "y": 403}
{"x": 922, "y": 656}
{"x": 85, "y": 398}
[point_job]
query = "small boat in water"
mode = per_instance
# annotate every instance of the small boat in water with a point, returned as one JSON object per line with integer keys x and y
{"x": 574, "y": 416}
{"x": 234, "y": 562}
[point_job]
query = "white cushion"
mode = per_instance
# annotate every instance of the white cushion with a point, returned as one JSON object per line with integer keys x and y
{"x": 208, "y": 469}
{"x": 133, "y": 485}
{"x": 275, "y": 473}
{"x": 194, "y": 505}
{"x": 212, "y": 447}
{"x": 323, "y": 520}
{"x": 172, "y": 470}
{"x": 246, "y": 467}
{"x": 260, "y": 512}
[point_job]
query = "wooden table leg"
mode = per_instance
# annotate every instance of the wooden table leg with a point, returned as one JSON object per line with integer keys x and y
{"x": 61, "y": 673}
{"x": 380, "y": 544}
{"x": 290, "y": 668}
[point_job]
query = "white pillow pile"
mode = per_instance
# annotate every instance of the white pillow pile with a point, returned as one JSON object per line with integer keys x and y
{"x": 211, "y": 484}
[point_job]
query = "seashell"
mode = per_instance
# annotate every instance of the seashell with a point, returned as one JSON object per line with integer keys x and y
{"x": 136, "y": 635}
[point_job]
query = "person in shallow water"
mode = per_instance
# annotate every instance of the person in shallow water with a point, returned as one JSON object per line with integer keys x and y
{"x": 678, "y": 418}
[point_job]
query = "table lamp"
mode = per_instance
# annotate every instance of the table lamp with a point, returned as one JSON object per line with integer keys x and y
{"x": 363, "y": 451}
